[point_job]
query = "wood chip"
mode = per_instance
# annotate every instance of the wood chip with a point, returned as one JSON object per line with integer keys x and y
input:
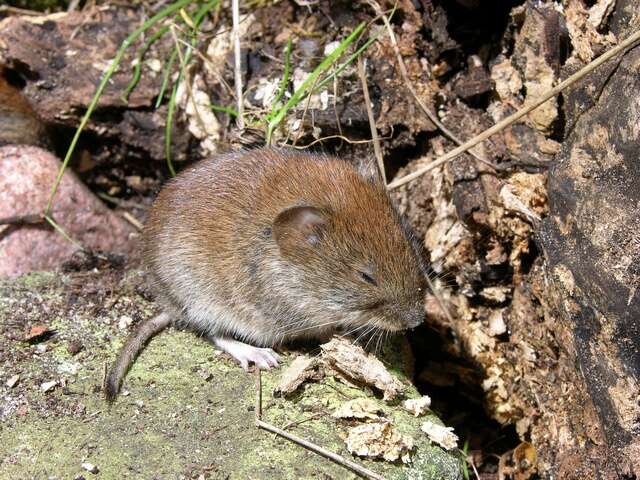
{"x": 352, "y": 361}
{"x": 379, "y": 440}
{"x": 359, "y": 408}
{"x": 46, "y": 386}
{"x": 13, "y": 381}
{"x": 417, "y": 406}
{"x": 90, "y": 467}
{"x": 301, "y": 369}
{"x": 440, "y": 434}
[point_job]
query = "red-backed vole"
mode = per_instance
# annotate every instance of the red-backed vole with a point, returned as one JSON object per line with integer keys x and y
{"x": 257, "y": 248}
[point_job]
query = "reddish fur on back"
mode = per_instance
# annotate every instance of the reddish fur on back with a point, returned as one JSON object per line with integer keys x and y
{"x": 209, "y": 247}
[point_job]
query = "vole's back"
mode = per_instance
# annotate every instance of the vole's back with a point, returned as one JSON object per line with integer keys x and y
{"x": 209, "y": 245}
{"x": 258, "y": 248}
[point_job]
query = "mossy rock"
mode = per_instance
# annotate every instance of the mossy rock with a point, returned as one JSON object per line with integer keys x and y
{"x": 186, "y": 411}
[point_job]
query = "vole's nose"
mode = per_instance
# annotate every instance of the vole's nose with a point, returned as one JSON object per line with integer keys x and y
{"x": 414, "y": 318}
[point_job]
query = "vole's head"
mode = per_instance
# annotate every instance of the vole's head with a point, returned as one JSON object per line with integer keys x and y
{"x": 352, "y": 258}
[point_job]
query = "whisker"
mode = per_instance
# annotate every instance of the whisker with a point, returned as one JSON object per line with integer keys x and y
{"x": 314, "y": 326}
{"x": 355, "y": 329}
{"x": 379, "y": 342}
{"x": 364, "y": 333}
{"x": 372, "y": 337}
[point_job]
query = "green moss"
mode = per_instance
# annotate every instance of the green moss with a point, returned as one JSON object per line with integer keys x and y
{"x": 188, "y": 411}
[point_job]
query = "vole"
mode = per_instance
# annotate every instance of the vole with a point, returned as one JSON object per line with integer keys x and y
{"x": 19, "y": 123}
{"x": 258, "y": 248}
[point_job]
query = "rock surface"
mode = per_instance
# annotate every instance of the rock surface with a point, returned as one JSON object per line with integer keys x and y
{"x": 185, "y": 410}
{"x": 28, "y": 174}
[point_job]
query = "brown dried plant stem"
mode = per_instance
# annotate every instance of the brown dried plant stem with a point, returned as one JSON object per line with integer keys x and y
{"x": 372, "y": 120}
{"x": 18, "y": 220}
{"x": 405, "y": 77}
{"x": 235, "y": 13}
{"x": 358, "y": 469}
{"x": 501, "y": 125}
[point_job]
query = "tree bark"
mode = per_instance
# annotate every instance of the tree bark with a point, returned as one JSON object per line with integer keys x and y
{"x": 591, "y": 242}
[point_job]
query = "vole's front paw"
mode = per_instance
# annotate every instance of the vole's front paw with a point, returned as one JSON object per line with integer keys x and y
{"x": 263, "y": 358}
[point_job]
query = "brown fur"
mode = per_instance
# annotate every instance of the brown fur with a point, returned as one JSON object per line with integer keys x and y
{"x": 19, "y": 123}
{"x": 269, "y": 245}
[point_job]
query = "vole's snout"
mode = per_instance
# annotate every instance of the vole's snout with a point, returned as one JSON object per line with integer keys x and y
{"x": 414, "y": 319}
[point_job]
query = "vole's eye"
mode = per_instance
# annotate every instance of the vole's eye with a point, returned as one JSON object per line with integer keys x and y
{"x": 368, "y": 278}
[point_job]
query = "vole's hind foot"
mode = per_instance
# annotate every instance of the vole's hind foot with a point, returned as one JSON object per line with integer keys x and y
{"x": 263, "y": 358}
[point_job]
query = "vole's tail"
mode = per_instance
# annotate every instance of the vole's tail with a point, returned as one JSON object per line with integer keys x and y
{"x": 130, "y": 351}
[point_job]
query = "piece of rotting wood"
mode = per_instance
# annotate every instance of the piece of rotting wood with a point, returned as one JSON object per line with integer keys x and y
{"x": 504, "y": 123}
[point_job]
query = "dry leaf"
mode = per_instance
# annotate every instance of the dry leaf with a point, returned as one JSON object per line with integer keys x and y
{"x": 46, "y": 386}
{"x": 13, "y": 381}
{"x": 440, "y": 434}
{"x": 301, "y": 369}
{"x": 352, "y": 361}
{"x": 36, "y": 333}
{"x": 359, "y": 408}
{"x": 417, "y": 406}
{"x": 379, "y": 440}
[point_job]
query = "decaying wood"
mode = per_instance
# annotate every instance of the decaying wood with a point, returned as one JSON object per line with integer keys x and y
{"x": 592, "y": 246}
{"x": 353, "y": 362}
{"x": 62, "y": 58}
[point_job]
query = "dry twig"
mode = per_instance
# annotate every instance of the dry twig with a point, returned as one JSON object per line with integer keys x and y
{"x": 501, "y": 125}
{"x": 340, "y": 460}
{"x": 237, "y": 63}
{"x": 372, "y": 120}
{"x": 133, "y": 221}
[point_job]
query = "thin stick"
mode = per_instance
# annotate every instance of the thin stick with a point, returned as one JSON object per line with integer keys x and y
{"x": 133, "y": 221}
{"x": 341, "y": 137}
{"x": 19, "y": 11}
{"x": 439, "y": 299}
{"x": 405, "y": 76}
{"x": 372, "y": 120}
{"x": 237, "y": 63}
{"x": 33, "y": 219}
{"x": 519, "y": 114}
{"x": 360, "y": 470}
{"x": 354, "y": 467}
{"x": 258, "y": 394}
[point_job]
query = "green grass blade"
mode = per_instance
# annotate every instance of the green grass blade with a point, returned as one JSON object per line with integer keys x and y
{"x": 137, "y": 70}
{"x": 168, "y": 68}
{"x": 285, "y": 78}
{"x": 228, "y": 110}
{"x": 299, "y": 94}
{"x": 171, "y": 9}
{"x": 346, "y": 63}
{"x": 199, "y": 16}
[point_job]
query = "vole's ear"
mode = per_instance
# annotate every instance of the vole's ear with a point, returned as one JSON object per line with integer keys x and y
{"x": 299, "y": 226}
